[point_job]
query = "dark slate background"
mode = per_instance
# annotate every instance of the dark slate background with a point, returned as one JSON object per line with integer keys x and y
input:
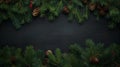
{"x": 43, "y": 34}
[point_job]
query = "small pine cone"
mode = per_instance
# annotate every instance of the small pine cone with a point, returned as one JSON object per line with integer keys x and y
{"x": 13, "y": 59}
{"x": 66, "y": 10}
{"x": 92, "y": 6}
{"x": 105, "y": 8}
{"x": 35, "y": 14}
{"x": 102, "y": 12}
{"x": 85, "y": 1}
{"x": 48, "y": 52}
{"x": 1, "y": 1}
{"x": 7, "y": 1}
{"x": 36, "y": 11}
{"x": 94, "y": 60}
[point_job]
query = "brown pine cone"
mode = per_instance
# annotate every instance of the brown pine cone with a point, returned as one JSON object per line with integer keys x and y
{"x": 36, "y": 11}
{"x": 65, "y": 9}
{"x": 1, "y": 1}
{"x": 85, "y": 1}
{"x": 92, "y": 6}
{"x": 13, "y": 59}
{"x": 94, "y": 60}
{"x": 48, "y": 52}
{"x": 105, "y": 8}
{"x": 102, "y": 12}
{"x": 7, "y": 1}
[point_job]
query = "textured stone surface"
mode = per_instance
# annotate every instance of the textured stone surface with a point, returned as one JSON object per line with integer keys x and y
{"x": 58, "y": 34}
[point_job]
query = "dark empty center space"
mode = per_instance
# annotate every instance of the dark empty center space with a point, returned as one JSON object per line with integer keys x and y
{"x": 61, "y": 33}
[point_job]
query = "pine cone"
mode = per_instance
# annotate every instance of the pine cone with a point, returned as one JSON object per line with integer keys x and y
{"x": 65, "y": 10}
{"x": 92, "y": 6}
{"x": 105, "y": 8}
{"x": 85, "y": 1}
{"x": 94, "y": 60}
{"x": 48, "y": 52}
{"x": 36, "y": 11}
{"x": 102, "y": 12}
{"x": 7, "y": 1}
{"x": 1, "y": 1}
{"x": 13, "y": 59}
